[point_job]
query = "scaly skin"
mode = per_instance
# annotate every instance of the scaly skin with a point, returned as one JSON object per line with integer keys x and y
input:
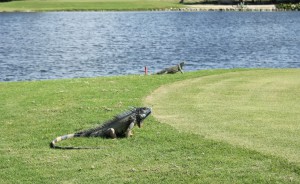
{"x": 173, "y": 69}
{"x": 120, "y": 126}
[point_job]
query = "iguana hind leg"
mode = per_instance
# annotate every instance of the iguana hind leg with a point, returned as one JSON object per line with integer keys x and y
{"x": 111, "y": 133}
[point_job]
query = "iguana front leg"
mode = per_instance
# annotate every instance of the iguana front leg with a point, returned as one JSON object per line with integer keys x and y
{"x": 180, "y": 69}
{"x": 128, "y": 132}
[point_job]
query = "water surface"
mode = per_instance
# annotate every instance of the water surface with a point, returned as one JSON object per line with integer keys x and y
{"x": 36, "y": 46}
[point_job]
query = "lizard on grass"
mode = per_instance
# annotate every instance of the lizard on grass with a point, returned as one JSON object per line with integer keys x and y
{"x": 173, "y": 69}
{"x": 120, "y": 126}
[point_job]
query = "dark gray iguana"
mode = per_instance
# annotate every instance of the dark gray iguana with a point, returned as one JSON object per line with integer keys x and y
{"x": 173, "y": 69}
{"x": 120, "y": 126}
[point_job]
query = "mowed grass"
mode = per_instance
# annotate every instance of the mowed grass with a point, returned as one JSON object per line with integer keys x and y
{"x": 258, "y": 110}
{"x": 33, "y": 113}
{"x": 87, "y": 5}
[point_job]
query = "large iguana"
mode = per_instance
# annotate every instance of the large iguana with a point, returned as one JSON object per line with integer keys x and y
{"x": 120, "y": 126}
{"x": 173, "y": 69}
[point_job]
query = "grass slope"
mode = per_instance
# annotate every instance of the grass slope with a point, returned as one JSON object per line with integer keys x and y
{"x": 86, "y": 5}
{"x": 257, "y": 109}
{"x": 34, "y": 113}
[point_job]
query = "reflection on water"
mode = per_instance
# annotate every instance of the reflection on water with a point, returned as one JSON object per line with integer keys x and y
{"x": 86, "y": 44}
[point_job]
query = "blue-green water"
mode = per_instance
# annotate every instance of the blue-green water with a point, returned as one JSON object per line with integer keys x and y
{"x": 36, "y": 46}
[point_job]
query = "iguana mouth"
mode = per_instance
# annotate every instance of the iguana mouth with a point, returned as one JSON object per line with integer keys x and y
{"x": 148, "y": 112}
{"x": 144, "y": 114}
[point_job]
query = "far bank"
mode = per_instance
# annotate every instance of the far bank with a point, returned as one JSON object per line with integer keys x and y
{"x": 132, "y": 5}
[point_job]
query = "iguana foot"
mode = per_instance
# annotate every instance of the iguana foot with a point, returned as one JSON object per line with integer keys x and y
{"x": 128, "y": 133}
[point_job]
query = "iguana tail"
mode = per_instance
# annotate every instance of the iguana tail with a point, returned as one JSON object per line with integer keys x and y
{"x": 61, "y": 138}
{"x": 69, "y": 136}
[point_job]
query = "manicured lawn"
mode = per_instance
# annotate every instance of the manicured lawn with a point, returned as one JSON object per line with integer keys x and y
{"x": 258, "y": 110}
{"x": 34, "y": 113}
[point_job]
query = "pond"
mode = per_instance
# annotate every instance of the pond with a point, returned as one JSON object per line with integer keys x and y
{"x": 37, "y": 46}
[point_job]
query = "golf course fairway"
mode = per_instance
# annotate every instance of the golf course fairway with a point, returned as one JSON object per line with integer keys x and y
{"x": 257, "y": 109}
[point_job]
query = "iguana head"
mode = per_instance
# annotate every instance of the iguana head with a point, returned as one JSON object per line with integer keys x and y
{"x": 141, "y": 114}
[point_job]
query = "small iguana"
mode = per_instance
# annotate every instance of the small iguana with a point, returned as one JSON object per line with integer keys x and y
{"x": 120, "y": 126}
{"x": 173, "y": 69}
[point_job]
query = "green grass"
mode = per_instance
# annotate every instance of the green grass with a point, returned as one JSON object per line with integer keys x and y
{"x": 33, "y": 113}
{"x": 259, "y": 110}
{"x": 86, "y": 5}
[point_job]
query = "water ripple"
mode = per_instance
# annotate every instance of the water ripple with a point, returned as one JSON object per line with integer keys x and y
{"x": 36, "y": 46}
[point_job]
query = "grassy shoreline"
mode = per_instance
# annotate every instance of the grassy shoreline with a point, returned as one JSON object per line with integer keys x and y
{"x": 33, "y": 113}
